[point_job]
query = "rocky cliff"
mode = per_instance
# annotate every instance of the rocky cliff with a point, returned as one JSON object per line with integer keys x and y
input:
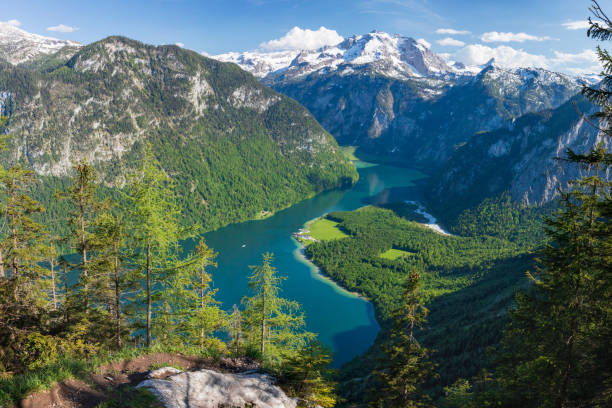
{"x": 520, "y": 158}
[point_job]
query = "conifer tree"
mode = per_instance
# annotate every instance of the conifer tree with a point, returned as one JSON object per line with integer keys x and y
{"x": 190, "y": 314}
{"x": 234, "y": 329}
{"x": 556, "y": 349}
{"x": 405, "y": 369}
{"x": 112, "y": 276}
{"x": 307, "y": 375}
{"x": 274, "y": 325}
{"x": 154, "y": 231}
{"x": 206, "y": 316}
{"x": 24, "y": 299}
{"x": 86, "y": 207}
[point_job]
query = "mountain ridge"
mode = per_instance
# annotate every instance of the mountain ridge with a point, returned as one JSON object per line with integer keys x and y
{"x": 18, "y": 46}
{"x": 117, "y": 95}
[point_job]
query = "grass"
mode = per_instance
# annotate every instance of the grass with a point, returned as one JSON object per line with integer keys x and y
{"x": 14, "y": 389}
{"x": 323, "y": 229}
{"x": 394, "y": 254}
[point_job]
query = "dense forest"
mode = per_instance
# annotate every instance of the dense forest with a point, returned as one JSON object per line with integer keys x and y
{"x": 129, "y": 290}
{"x": 514, "y": 309}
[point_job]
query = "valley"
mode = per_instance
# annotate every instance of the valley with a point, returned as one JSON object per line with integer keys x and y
{"x": 343, "y": 321}
{"x": 344, "y": 222}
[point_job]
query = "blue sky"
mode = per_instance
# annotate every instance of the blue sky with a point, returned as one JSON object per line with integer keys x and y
{"x": 528, "y": 31}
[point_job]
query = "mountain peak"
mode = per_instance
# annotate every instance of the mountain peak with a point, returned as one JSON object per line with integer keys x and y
{"x": 378, "y": 51}
{"x": 18, "y": 46}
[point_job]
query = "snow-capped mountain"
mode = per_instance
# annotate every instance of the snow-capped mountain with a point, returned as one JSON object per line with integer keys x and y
{"x": 18, "y": 46}
{"x": 383, "y": 53}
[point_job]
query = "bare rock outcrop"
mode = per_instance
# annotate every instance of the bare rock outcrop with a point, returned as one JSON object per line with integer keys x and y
{"x": 211, "y": 389}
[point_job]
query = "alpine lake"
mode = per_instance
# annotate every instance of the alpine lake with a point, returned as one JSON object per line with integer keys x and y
{"x": 343, "y": 321}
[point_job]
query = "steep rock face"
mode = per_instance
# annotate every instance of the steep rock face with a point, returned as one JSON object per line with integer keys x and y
{"x": 425, "y": 119}
{"x": 230, "y": 142}
{"x": 520, "y": 159}
{"x": 210, "y": 389}
{"x": 18, "y": 46}
{"x": 391, "y": 95}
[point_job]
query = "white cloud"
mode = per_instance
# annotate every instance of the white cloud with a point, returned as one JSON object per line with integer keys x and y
{"x": 494, "y": 36}
{"x": 13, "y": 22}
{"x": 451, "y": 31}
{"x": 586, "y": 56}
{"x": 478, "y": 54}
{"x": 62, "y": 28}
{"x": 180, "y": 44}
{"x": 577, "y": 25}
{"x": 450, "y": 42}
{"x": 582, "y": 63}
{"x": 424, "y": 42}
{"x": 299, "y": 39}
{"x": 204, "y": 53}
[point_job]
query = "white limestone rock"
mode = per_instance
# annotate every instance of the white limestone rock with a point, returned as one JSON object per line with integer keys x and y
{"x": 210, "y": 389}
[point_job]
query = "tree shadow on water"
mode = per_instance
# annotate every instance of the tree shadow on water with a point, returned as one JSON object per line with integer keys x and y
{"x": 351, "y": 343}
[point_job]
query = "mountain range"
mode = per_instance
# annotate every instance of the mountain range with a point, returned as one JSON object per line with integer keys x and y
{"x": 387, "y": 94}
{"x": 237, "y": 149}
{"x": 392, "y": 96}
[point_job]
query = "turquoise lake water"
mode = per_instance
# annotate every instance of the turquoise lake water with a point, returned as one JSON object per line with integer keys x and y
{"x": 343, "y": 321}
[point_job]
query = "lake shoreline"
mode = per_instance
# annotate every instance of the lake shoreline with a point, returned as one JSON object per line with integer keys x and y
{"x": 302, "y": 253}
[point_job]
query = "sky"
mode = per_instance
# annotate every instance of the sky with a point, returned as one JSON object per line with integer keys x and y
{"x": 545, "y": 33}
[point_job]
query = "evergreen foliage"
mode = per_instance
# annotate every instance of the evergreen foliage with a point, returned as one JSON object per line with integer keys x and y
{"x": 556, "y": 348}
{"x": 308, "y": 377}
{"x": 274, "y": 326}
{"x": 405, "y": 369}
{"x": 155, "y": 235}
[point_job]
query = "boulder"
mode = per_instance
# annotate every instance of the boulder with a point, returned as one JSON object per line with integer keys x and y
{"x": 211, "y": 389}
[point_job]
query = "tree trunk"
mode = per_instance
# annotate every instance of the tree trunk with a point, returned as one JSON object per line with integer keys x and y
{"x": 117, "y": 298}
{"x": 149, "y": 305}
{"x": 65, "y": 264}
{"x": 202, "y": 308}
{"x": 83, "y": 247}
{"x": 2, "y": 274}
{"x": 51, "y": 261}
{"x": 263, "y": 322}
{"x": 15, "y": 262}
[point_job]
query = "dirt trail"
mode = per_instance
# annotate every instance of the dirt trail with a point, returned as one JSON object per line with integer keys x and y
{"x": 115, "y": 380}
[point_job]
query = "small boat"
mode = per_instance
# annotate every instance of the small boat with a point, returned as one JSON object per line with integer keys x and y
{"x": 243, "y": 245}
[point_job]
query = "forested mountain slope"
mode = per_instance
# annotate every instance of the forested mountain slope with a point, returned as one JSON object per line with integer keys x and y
{"x": 236, "y": 148}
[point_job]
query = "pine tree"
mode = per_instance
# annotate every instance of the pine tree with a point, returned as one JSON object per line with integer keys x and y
{"x": 206, "y": 317}
{"x": 405, "y": 369}
{"x": 112, "y": 276}
{"x": 556, "y": 349}
{"x": 25, "y": 236}
{"x": 24, "y": 297}
{"x": 190, "y": 313}
{"x": 86, "y": 207}
{"x": 307, "y": 375}
{"x": 154, "y": 232}
{"x": 234, "y": 329}
{"x": 273, "y": 325}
